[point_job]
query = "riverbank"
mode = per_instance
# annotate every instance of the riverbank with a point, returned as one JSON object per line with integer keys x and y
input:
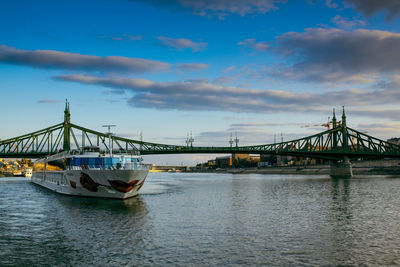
{"x": 376, "y": 167}
{"x": 305, "y": 170}
{"x": 6, "y": 174}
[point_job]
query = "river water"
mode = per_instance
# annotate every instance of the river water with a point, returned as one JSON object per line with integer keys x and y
{"x": 186, "y": 219}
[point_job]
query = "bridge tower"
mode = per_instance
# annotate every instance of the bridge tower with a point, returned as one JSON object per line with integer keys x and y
{"x": 67, "y": 127}
{"x": 341, "y": 168}
{"x": 334, "y": 134}
{"x": 344, "y": 132}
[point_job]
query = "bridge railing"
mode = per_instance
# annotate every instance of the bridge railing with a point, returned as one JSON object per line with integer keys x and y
{"x": 42, "y": 142}
{"x": 331, "y": 144}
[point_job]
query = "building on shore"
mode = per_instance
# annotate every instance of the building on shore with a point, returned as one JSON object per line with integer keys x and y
{"x": 269, "y": 160}
{"x": 237, "y": 160}
{"x": 394, "y": 140}
{"x": 223, "y": 162}
{"x": 234, "y": 161}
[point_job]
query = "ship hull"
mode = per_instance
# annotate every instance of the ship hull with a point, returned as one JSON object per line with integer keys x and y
{"x": 118, "y": 184}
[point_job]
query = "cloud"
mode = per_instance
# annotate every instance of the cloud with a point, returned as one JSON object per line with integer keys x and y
{"x": 227, "y": 118}
{"x": 384, "y": 130}
{"x": 330, "y": 4}
{"x": 225, "y": 80}
{"x": 48, "y": 101}
{"x": 229, "y": 69}
{"x": 263, "y": 124}
{"x": 220, "y": 8}
{"x": 192, "y": 96}
{"x": 192, "y": 66}
{"x": 346, "y": 23}
{"x": 199, "y": 80}
{"x": 205, "y": 96}
{"x": 379, "y": 113}
{"x": 181, "y": 43}
{"x": 246, "y": 136}
{"x": 51, "y": 59}
{"x": 124, "y": 37}
{"x": 252, "y": 44}
{"x": 335, "y": 55}
{"x": 221, "y": 138}
{"x": 371, "y": 7}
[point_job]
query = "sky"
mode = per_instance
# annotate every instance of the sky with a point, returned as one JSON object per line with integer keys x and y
{"x": 261, "y": 70}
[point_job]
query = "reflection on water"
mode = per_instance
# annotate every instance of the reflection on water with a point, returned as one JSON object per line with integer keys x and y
{"x": 341, "y": 197}
{"x": 206, "y": 219}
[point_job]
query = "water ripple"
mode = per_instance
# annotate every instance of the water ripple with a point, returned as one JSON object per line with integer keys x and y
{"x": 206, "y": 219}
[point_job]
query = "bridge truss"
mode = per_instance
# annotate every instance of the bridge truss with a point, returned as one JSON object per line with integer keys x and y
{"x": 336, "y": 143}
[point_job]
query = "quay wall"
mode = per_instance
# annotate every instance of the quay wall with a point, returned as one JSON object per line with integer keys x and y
{"x": 371, "y": 167}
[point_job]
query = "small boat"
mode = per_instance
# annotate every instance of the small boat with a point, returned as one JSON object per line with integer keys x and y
{"x": 17, "y": 173}
{"x": 27, "y": 172}
{"x": 93, "y": 174}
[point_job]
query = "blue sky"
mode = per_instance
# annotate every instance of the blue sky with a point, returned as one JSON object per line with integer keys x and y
{"x": 168, "y": 67}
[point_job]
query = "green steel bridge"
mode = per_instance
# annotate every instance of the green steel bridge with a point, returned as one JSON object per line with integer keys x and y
{"x": 340, "y": 142}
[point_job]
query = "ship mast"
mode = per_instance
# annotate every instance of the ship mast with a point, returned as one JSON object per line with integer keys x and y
{"x": 110, "y": 142}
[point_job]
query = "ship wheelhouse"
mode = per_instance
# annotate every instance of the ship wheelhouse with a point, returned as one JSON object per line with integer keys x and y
{"x": 103, "y": 162}
{"x": 91, "y": 158}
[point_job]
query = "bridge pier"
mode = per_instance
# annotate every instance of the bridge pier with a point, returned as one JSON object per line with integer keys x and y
{"x": 341, "y": 169}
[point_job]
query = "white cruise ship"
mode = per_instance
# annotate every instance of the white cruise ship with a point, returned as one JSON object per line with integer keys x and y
{"x": 93, "y": 174}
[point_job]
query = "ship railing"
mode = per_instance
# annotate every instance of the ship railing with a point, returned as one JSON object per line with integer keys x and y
{"x": 136, "y": 166}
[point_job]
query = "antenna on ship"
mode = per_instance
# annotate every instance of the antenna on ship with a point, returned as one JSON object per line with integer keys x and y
{"x": 109, "y": 133}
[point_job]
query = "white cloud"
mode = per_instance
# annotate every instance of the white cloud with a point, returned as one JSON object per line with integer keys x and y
{"x": 48, "y": 101}
{"x": 229, "y": 69}
{"x": 252, "y": 44}
{"x": 225, "y": 80}
{"x": 181, "y": 43}
{"x": 220, "y": 8}
{"x": 124, "y": 37}
{"x": 384, "y": 130}
{"x": 51, "y": 59}
{"x": 192, "y": 66}
{"x": 205, "y": 96}
{"x": 337, "y": 56}
{"x": 346, "y": 23}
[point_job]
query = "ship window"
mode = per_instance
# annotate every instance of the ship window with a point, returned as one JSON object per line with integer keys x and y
{"x": 77, "y": 162}
{"x": 107, "y": 162}
{"x": 92, "y": 161}
{"x": 115, "y": 161}
{"x": 99, "y": 161}
{"x": 85, "y": 161}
